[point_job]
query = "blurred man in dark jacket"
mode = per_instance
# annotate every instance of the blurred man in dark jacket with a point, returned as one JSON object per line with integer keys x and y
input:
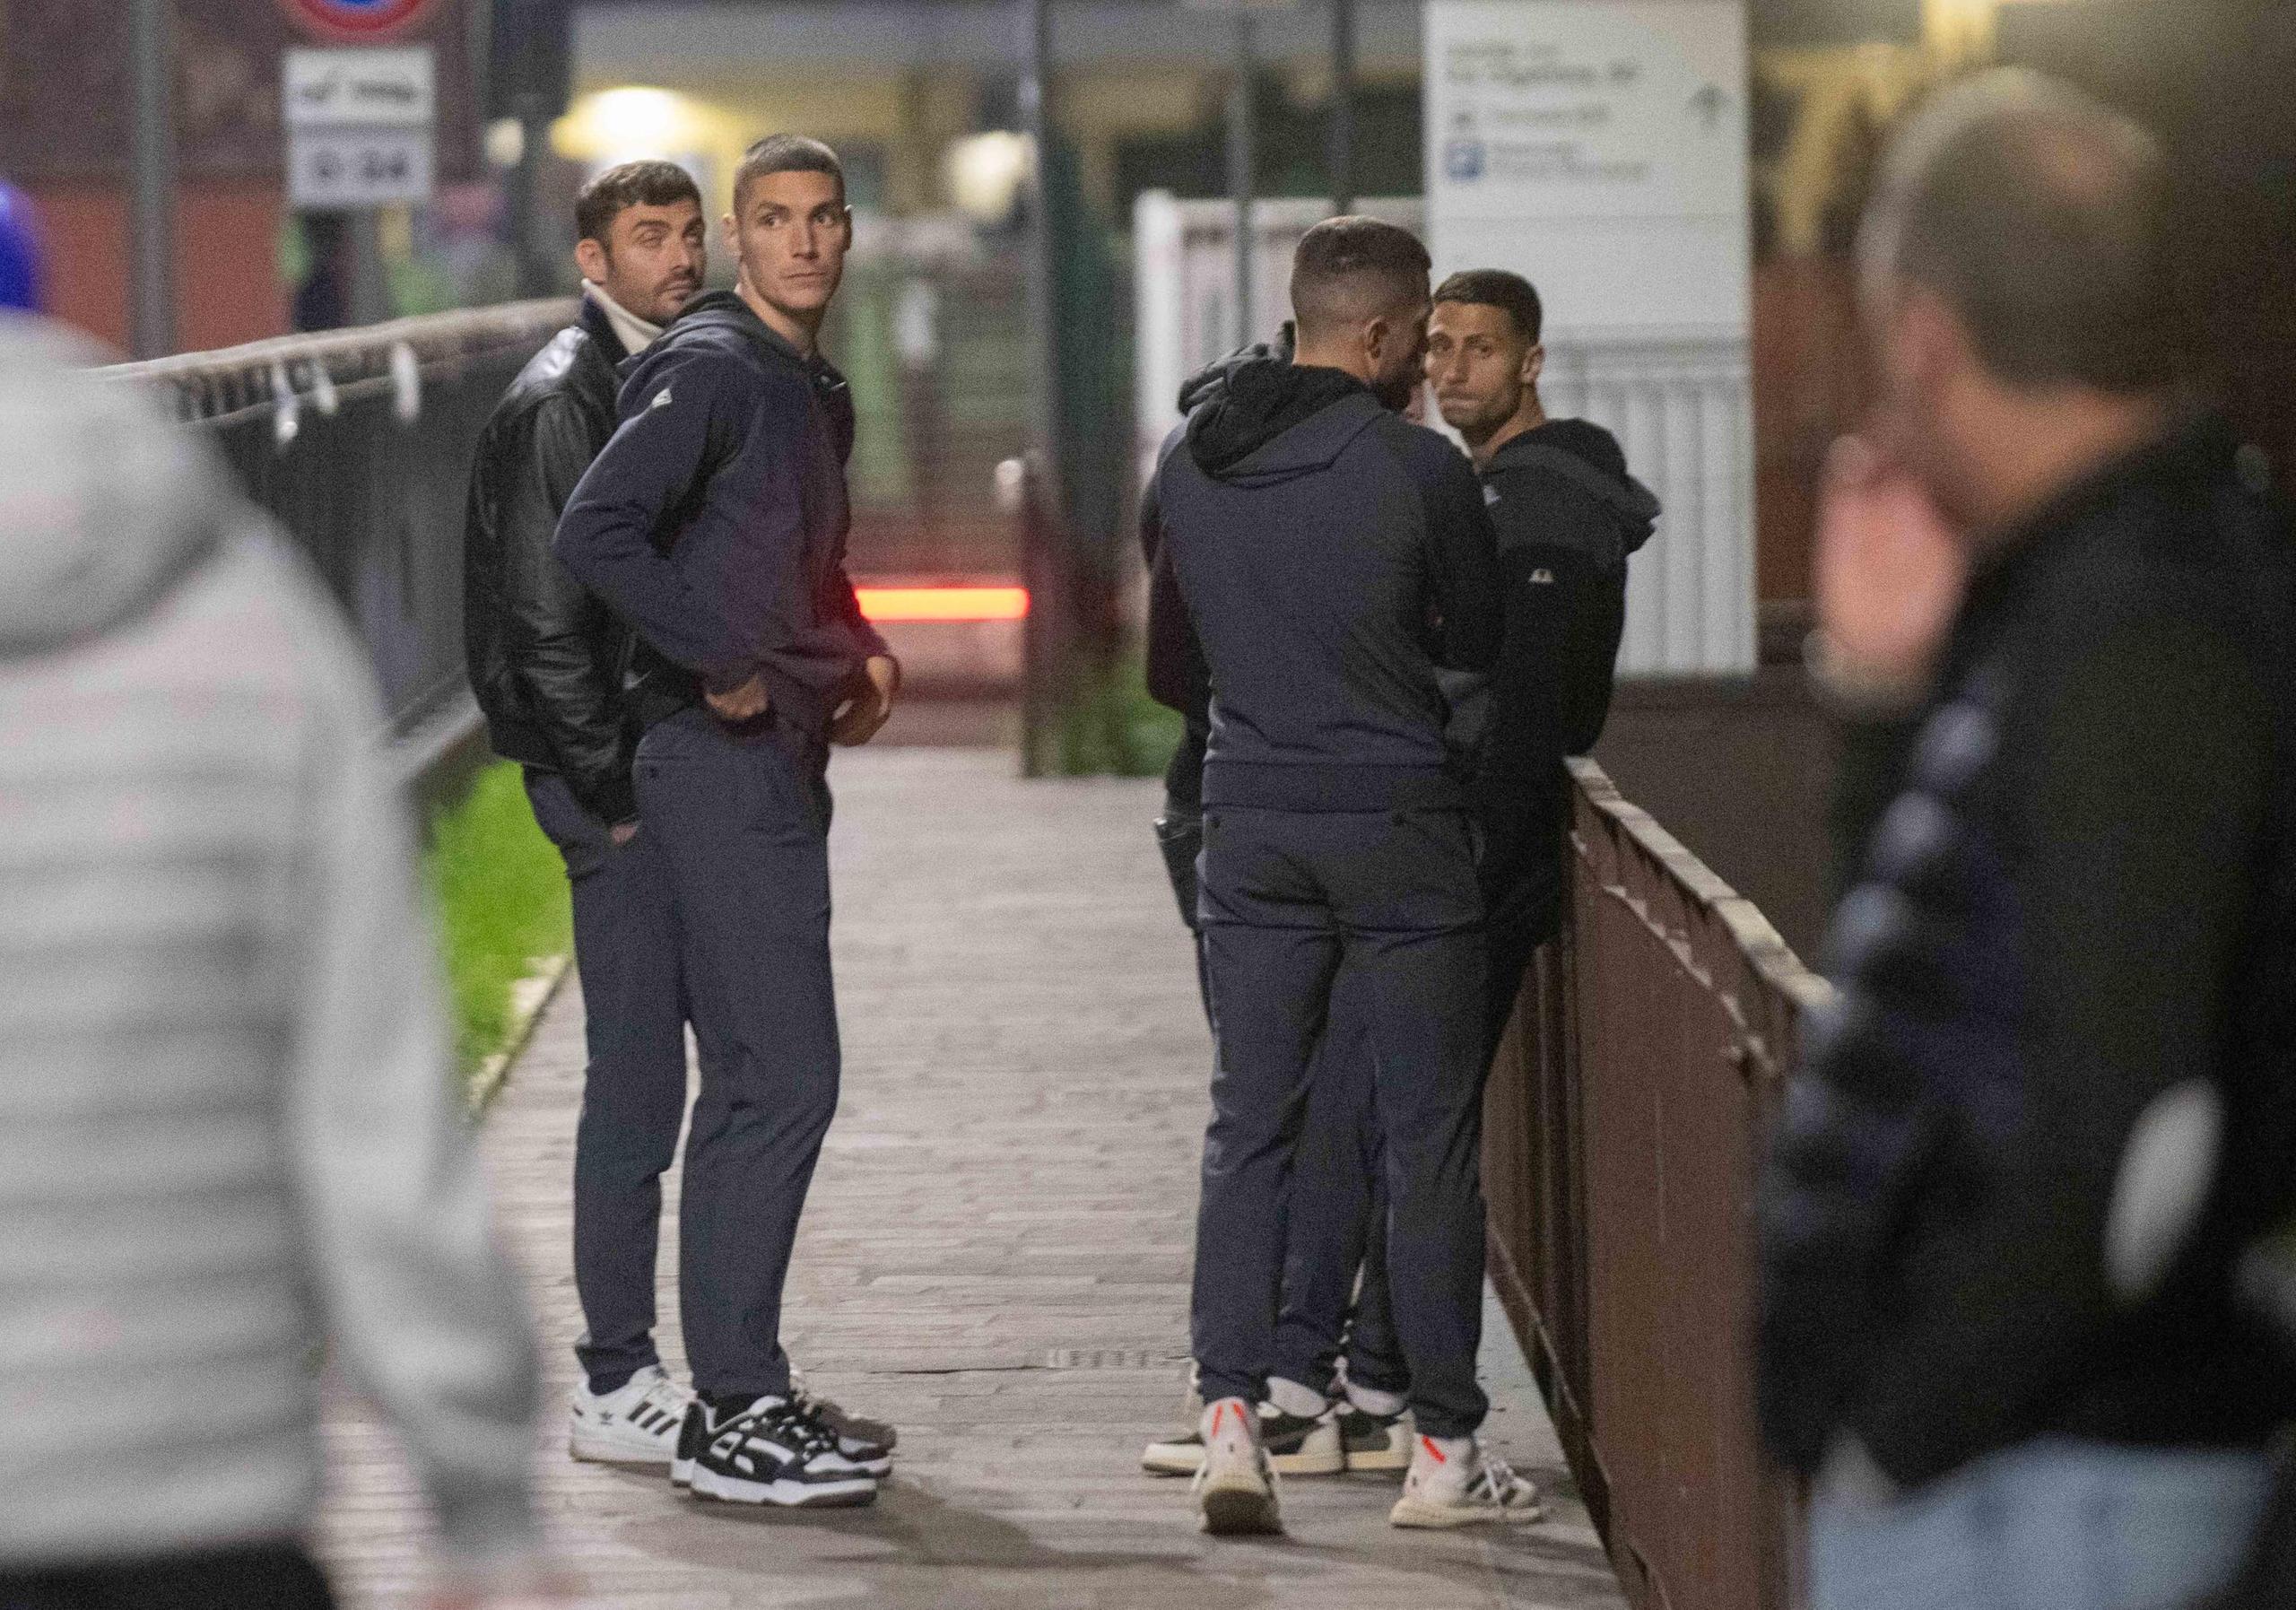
{"x": 546, "y": 662}
{"x": 2002, "y": 1323}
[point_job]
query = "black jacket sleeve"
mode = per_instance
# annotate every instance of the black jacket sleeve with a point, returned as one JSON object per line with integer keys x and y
{"x": 1462, "y": 557}
{"x": 552, "y": 635}
{"x": 1179, "y": 677}
{"x": 1591, "y": 599}
{"x": 680, "y": 418}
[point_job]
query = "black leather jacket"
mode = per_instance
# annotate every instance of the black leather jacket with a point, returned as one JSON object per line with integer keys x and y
{"x": 545, "y": 657}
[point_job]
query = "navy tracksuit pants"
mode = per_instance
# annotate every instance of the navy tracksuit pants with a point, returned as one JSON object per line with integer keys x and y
{"x": 1312, "y": 919}
{"x": 627, "y": 952}
{"x": 1338, "y": 1195}
{"x": 742, "y": 817}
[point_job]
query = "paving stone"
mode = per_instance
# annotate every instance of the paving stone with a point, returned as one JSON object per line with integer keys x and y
{"x": 995, "y": 1256}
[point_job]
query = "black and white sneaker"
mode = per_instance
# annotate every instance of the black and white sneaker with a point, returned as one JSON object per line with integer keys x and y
{"x": 868, "y": 1444}
{"x": 636, "y": 1425}
{"x": 773, "y": 1452}
{"x": 1374, "y": 1441}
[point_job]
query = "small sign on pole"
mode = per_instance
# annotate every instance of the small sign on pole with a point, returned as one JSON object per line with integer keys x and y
{"x": 359, "y": 127}
{"x": 368, "y": 22}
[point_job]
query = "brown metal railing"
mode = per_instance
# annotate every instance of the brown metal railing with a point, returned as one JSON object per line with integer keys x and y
{"x": 1621, "y": 1145}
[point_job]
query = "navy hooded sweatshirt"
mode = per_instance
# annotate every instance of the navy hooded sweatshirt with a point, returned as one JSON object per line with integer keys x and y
{"x": 1322, "y": 559}
{"x": 714, "y": 520}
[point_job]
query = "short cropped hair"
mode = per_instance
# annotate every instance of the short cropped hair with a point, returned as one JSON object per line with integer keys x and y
{"x": 628, "y": 185}
{"x": 786, "y": 153}
{"x": 1512, "y": 293}
{"x": 2040, "y": 217}
{"x": 1350, "y": 270}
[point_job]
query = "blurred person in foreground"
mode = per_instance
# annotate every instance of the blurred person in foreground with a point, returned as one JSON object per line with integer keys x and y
{"x": 229, "y": 1125}
{"x": 546, "y": 661}
{"x": 2002, "y": 1323}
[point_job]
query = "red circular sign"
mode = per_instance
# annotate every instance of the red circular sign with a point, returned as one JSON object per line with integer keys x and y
{"x": 362, "y": 19}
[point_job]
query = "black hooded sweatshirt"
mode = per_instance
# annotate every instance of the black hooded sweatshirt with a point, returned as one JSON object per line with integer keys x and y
{"x": 1568, "y": 516}
{"x": 1321, "y": 559}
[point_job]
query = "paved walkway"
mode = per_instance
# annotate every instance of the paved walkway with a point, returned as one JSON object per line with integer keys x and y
{"x": 995, "y": 1258}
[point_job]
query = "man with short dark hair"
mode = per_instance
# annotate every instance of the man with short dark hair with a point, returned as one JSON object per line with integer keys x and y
{"x": 546, "y": 661}
{"x": 2002, "y": 1316}
{"x": 715, "y": 523}
{"x": 1568, "y": 516}
{"x": 1323, "y": 560}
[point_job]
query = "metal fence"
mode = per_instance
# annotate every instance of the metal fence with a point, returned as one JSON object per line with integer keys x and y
{"x": 359, "y": 443}
{"x": 1621, "y": 1142}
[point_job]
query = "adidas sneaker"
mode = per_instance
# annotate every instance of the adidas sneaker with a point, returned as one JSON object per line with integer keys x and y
{"x": 637, "y": 1424}
{"x": 775, "y": 1451}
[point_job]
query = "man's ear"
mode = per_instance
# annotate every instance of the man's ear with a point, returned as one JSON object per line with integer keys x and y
{"x": 590, "y": 258}
{"x": 1933, "y": 349}
{"x": 1534, "y": 365}
{"x": 732, "y": 226}
{"x": 1377, "y": 336}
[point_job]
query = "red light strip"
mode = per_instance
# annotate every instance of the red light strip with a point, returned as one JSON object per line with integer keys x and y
{"x": 944, "y": 602}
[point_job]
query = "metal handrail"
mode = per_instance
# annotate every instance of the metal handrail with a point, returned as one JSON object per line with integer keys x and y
{"x": 1622, "y": 1138}
{"x": 357, "y": 442}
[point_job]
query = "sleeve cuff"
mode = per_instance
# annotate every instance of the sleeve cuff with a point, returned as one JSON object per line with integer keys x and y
{"x": 612, "y": 800}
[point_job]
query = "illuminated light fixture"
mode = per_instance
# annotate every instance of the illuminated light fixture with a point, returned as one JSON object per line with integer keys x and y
{"x": 944, "y": 602}
{"x": 984, "y": 174}
{"x": 632, "y": 121}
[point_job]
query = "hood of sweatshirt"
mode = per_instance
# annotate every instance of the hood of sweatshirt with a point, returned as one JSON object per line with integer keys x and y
{"x": 105, "y": 503}
{"x": 1274, "y": 419}
{"x": 1634, "y": 507}
{"x": 721, "y": 314}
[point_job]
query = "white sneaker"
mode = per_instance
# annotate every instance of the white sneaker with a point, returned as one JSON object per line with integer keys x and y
{"x": 635, "y": 1424}
{"x": 1235, "y": 1488}
{"x": 1457, "y": 1481}
{"x": 1296, "y": 1445}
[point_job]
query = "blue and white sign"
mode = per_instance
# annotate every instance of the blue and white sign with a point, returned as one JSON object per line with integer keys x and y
{"x": 1599, "y": 147}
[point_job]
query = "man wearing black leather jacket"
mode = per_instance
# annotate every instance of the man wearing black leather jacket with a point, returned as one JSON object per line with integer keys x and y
{"x": 546, "y": 662}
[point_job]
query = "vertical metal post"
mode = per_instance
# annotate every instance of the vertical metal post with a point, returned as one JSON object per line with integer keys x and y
{"x": 369, "y": 289}
{"x": 1343, "y": 106}
{"x": 1043, "y": 536}
{"x": 151, "y": 312}
{"x": 535, "y": 270}
{"x": 1242, "y": 160}
{"x": 1036, "y": 120}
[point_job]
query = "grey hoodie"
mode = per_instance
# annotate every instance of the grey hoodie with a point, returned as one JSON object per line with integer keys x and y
{"x": 228, "y": 1130}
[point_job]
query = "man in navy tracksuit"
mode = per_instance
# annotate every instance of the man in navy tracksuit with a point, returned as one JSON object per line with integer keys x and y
{"x": 714, "y": 522}
{"x": 1568, "y": 516}
{"x": 1329, "y": 558}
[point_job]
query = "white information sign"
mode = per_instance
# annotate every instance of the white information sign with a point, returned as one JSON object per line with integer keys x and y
{"x": 333, "y": 169}
{"x": 359, "y": 127}
{"x": 334, "y": 89}
{"x": 1598, "y": 146}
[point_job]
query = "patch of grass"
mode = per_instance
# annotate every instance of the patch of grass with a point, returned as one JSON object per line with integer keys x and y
{"x": 1112, "y": 727}
{"x": 500, "y": 891}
